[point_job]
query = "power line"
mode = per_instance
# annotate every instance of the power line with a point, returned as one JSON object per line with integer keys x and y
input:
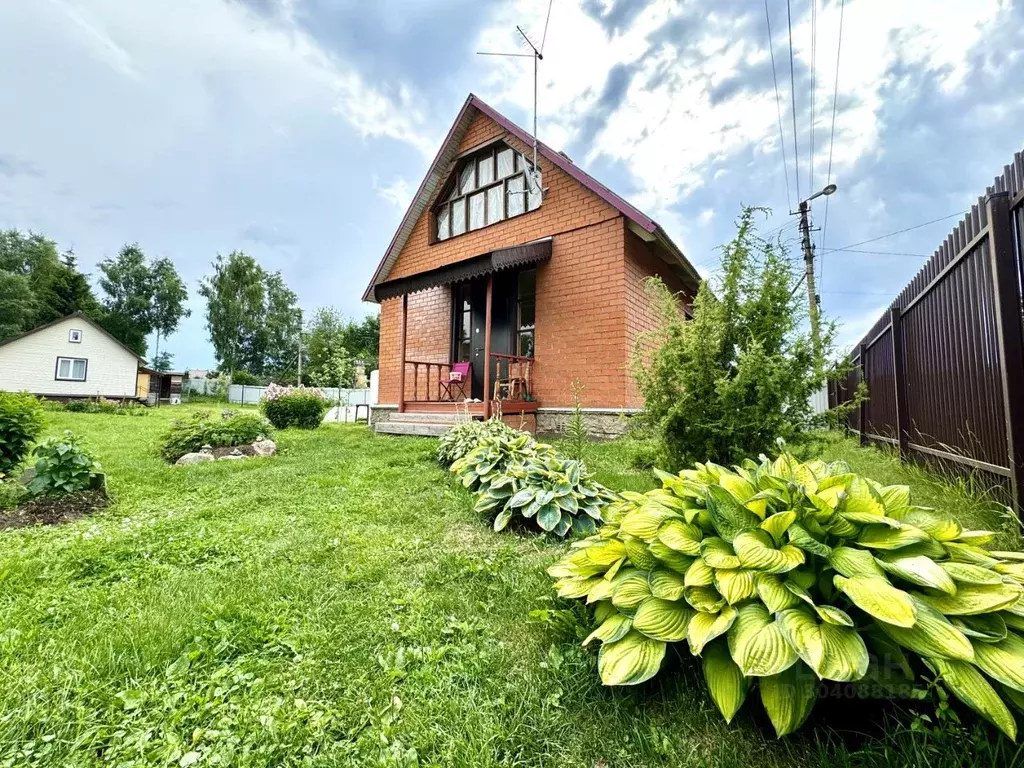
{"x": 792, "y": 93}
{"x": 898, "y": 232}
{"x": 882, "y": 253}
{"x": 778, "y": 106}
{"x": 831, "y": 143}
{"x": 814, "y": 84}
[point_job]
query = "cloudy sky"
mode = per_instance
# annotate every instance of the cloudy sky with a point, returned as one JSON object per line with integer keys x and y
{"x": 296, "y": 130}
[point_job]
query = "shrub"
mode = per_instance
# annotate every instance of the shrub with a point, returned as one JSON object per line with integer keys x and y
{"x": 299, "y": 407}
{"x": 738, "y": 375}
{"x": 467, "y": 435}
{"x": 245, "y": 378}
{"x": 779, "y": 573}
{"x": 63, "y": 466}
{"x": 201, "y": 428}
{"x": 516, "y": 474}
{"x": 21, "y": 421}
{"x": 11, "y": 494}
{"x": 81, "y": 406}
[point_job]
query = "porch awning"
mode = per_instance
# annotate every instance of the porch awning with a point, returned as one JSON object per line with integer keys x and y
{"x": 495, "y": 261}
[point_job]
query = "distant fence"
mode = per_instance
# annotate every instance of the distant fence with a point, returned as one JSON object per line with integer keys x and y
{"x": 945, "y": 365}
{"x": 246, "y": 395}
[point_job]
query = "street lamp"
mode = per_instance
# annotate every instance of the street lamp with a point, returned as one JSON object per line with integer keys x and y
{"x": 805, "y": 230}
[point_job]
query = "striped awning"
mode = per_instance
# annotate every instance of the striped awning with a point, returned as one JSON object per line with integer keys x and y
{"x": 495, "y": 261}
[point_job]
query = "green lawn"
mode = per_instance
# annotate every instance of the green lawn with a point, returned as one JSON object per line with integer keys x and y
{"x": 341, "y": 605}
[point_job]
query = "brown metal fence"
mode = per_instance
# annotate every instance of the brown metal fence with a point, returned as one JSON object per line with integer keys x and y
{"x": 945, "y": 365}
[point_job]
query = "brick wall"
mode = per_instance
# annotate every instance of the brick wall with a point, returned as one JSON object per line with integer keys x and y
{"x": 427, "y": 339}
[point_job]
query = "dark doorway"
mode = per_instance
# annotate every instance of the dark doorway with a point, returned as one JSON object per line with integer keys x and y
{"x": 470, "y": 321}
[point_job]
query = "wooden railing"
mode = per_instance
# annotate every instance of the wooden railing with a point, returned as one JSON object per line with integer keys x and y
{"x": 428, "y": 384}
{"x": 513, "y": 378}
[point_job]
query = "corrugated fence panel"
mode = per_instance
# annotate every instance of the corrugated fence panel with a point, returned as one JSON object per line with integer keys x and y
{"x": 880, "y": 410}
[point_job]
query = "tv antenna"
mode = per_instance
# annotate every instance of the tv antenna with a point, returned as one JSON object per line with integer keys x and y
{"x": 537, "y": 56}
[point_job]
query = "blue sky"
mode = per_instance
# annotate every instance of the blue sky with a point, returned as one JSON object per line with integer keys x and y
{"x": 296, "y": 130}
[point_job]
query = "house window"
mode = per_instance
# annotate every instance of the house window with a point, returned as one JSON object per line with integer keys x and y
{"x": 487, "y": 187}
{"x": 75, "y": 336}
{"x": 71, "y": 369}
{"x": 526, "y": 312}
{"x": 463, "y": 323}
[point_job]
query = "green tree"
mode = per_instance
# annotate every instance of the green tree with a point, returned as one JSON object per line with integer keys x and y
{"x": 281, "y": 326}
{"x": 328, "y": 359}
{"x": 128, "y": 284}
{"x": 163, "y": 361}
{"x": 363, "y": 341}
{"x": 169, "y": 297}
{"x": 17, "y": 304}
{"x": 740, "y": 374}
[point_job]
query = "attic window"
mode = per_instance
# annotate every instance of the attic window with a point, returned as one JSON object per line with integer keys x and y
{"x": 75, "y": 336}
{"x": 486, "y": 187}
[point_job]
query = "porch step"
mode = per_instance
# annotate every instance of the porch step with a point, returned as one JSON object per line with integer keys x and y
{"x": 425, "y": 418}
{"x": 418, "y": 428}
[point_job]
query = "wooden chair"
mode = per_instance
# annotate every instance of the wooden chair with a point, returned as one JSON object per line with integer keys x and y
{"x": 516, "y": 384}
{"x": 459, "y": 376}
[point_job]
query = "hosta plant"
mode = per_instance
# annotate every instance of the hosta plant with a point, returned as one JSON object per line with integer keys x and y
{"x": 780, "y": 573}
{"x": 520, "y": 476}
{"x": 466, "y": 435}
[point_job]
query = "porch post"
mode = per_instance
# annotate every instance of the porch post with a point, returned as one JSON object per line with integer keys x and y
{"x": 487, "y": 347}
{"x": 401, "y": 354}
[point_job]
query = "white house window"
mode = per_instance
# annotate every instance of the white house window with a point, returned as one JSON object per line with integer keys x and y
{"x": 487, "y": 187}
{"x": 71, "y": 368}
{"x": 75, "y": 336}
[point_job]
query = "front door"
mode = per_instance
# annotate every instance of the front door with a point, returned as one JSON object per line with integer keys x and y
{"x": 470, "y": 323}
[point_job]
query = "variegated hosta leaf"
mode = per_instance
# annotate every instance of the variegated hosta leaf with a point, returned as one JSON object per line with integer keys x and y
{"x": 601, "y": 591}
{"x": 726, "y": 683}
{"x": 1003, "y": 661}
{"x": 895, "y": 497}
{"x": 777, "y": 524}
{"x": 938, "y": 525}
{"x": 611, "y": 629}
{"x": 862, "y": 501}
{"x": 738, "y": 486}
{"x": 605, "y": 552}
{"x": 850, "y": 562}
{"x": 638, "y": 554}
{"x": 728, "y": 515}
{"x": 681, "y": 536}
{"x": 986, "y": 627}
{"x": 970, "y": 687}
{"x": 788, "y": 697}
{"x": 631, "y": 589}
{"x": 706, "y": 599}
{"x": 666, "y": 584}
{"x": 644, "y": 521}
{"x": 699, "y": 574}
{"x": 756, "y": 549}
{"x": 632, "y": 660}
{"x": 576, "y": 587}
{"x": 801, "y": 537}
{"x": 735, "y": 585}
{"x": 884, "y": 537}
{"x": 717, "y": 553}
{"x": 664, "y": 620}
{"x": 757, "y": 644}
{"x": 967, "y": 573}
{"x": 1014, "y": 571}
{"x": 977, "y": 538}
{"x": 918, "y": 570}
{"x": 677, "y": 561}
{"x": 774, "y": 594}
{"x": 705, "y": 627}
{"x": 833, "y": 652}
{"x": 1003, "y": 555}
{"x": 603, "y": 610}
{"x": 932, "y": 635}
{"x": 879, "y": 599}
{"x": 967, "y": 553}
{"x": 973, "y": 599}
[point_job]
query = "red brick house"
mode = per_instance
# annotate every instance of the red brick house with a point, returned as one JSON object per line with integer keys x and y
{"x": 535, "y": 284}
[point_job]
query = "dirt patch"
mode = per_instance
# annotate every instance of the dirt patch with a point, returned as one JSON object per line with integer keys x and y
{"x": 53, "y": 511}
{"x": 245, "y": 450}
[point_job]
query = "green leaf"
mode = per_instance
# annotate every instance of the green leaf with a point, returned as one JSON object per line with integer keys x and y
{"x": 502, "y": 519}
{"x": 728, "y": 515}
{"x": 631, "y": 589}
{"x": 800, "y": 537}
{"x": 777, "y": 524}
{"x": 884, "y": 537}
{"x": 1003, "y": 661}
{"x": 705, "y": 627}
{"x": 666, "y": 584}
{"x": 681, "y": 536}
{"x": 663, "y": 620}
{"x": 756, "y": 549}
{"x": 718, "y": 554}
{"x": 986, "y": 627}
{"x": 879, "y": 599}
{"x": 788, "y": 697}
{"x": 972, "y": 599}
{"x": 735, "y": 585}
{"x": 919, "y": 570}
{"x": 774, "y": 594}
{"x": 932, "y": 635}
{"x": 833, "y": 652}
{"x": 548, "y": 516}
{"x": 611, "y": 629}
{"x": 849, "y": 562}
{"x": 632, "y": 660}
{"x": 726, "y": 683}
{"x": 973, "y": 690}
{"x": 699, "y": 574}
{"x": 521, "y": 498}
{"x": 645, "y": 521}
{"x": 638, "y": 554}
{"x": 706, "y": 599}
{"x": 757, "y": 644}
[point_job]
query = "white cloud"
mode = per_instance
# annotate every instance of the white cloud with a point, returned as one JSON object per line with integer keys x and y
{"x": 398, "y": 192}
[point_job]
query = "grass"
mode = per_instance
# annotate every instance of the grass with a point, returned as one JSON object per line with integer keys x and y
{"x": 342, "y": 605}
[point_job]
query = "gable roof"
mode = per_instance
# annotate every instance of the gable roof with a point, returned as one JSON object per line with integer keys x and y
{"x": 640, "y": 223}
{"x": 77, "y": 315}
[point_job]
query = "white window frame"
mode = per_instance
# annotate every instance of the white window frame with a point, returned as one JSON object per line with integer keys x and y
{"x": 71, "y": 368}
{"x": 75, "y": 336}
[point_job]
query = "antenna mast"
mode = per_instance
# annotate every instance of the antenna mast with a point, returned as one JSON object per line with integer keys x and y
{"x": 537, "y": 56}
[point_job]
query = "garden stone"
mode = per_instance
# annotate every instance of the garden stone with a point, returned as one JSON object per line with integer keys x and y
{"x": 194, "y": 458}
{"x": 232, "y": 456}
{"x": 206, "y": 449}
{"x": 265, "y": 447}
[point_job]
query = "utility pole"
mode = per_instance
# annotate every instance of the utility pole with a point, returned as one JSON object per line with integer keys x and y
{"x": 812, "y": 293}
{"x": 300, "y": 357}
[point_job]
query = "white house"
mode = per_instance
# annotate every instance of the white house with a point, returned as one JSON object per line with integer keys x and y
{"x": 68, "y": 358}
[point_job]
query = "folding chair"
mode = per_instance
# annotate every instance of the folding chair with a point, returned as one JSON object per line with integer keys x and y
{"x": 460, "y": 375}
